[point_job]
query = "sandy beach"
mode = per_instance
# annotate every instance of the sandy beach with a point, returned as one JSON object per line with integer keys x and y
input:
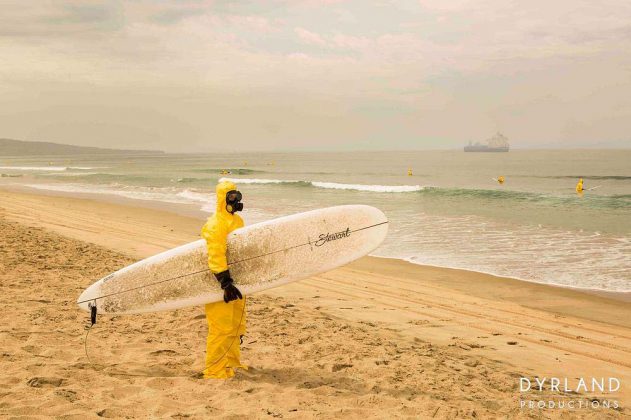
{"x": 379, "y": 338}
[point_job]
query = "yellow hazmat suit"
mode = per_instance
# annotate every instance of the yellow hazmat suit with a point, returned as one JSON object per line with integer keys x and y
{"x": 226, "y": 321}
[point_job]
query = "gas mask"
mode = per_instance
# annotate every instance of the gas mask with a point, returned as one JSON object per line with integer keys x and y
{"x": 233, "y": 201}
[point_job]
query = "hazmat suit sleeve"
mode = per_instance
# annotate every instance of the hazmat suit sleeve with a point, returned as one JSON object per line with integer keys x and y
{"x": 216, "y": 235}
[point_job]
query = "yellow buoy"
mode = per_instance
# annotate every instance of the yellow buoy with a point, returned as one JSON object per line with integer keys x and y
{"x": 409, "y": 171}
{"x": 579, "y": 186}
{"x": 500, "y": 179}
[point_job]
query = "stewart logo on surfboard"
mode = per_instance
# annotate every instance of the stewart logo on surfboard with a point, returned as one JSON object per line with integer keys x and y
{"x": 328, "y": 237}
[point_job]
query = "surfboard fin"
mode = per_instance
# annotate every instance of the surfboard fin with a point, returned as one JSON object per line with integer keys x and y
{"x": 92, "y": 313}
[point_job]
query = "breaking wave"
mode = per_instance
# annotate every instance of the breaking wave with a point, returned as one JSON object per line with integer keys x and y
{"x": 330, "y": 185}
{"x": 260, "y": 181}
{"x": 48, "y": 168}
{"x": 371, "y": 188}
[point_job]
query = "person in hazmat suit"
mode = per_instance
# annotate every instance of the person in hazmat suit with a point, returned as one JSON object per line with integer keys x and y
{"x": 579, "y": 186}
{"x": 226, "y": 320}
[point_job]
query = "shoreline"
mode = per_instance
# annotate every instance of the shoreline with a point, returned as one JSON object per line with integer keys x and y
{"x": 193, "y": 210}
{"x": 621, "y": 296}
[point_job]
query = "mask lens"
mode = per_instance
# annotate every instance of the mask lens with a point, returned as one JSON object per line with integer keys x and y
{"x": 233, "y": 196}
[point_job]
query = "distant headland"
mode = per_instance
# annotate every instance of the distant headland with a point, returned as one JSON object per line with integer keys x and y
{"x": 9, "y": 147}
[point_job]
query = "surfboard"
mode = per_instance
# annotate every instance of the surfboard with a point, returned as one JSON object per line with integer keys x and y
{"x": 260, "y": 257}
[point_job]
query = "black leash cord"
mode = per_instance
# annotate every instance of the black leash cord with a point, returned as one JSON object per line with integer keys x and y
{"x": 85, "y": 344}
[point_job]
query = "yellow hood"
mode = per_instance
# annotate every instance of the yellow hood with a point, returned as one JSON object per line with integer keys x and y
{"x": 222, "y": 189}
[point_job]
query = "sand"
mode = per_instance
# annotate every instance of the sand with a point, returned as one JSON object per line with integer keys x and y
{"x": 378, "y": 338}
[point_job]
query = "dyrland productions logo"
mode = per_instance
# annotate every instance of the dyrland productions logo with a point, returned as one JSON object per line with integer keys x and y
{"x": 598, "y": 390}
{"x": 328, "y": 237}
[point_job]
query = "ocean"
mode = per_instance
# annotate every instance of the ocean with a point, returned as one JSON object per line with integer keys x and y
{"x": 450, "y": 212}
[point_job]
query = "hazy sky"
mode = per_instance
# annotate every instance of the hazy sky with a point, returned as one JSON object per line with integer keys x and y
{"x": 311, "y": 75}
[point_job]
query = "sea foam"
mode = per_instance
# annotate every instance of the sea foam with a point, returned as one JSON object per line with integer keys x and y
{"x": 36, "y": 168}
{"x": 258, "y": 181}
{"x": 371, "y": 188}
{"x": 330, "y": 185}
{"x": 49, "y": 168}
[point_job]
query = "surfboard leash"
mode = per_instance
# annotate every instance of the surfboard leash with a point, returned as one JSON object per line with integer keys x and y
{"x": 93, "y": 310}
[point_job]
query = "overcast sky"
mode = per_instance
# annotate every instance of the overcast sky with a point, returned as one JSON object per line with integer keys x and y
{"x": 316, "y": 75}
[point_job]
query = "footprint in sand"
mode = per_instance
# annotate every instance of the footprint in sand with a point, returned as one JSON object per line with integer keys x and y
{"x": 44, "y": 382}
{"x": 166, "y": 352}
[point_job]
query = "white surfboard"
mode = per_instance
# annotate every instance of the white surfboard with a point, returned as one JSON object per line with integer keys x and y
{"x": 260, "y": 256}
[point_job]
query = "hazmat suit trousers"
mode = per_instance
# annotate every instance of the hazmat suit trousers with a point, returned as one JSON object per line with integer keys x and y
{"x": 226, "y": 322}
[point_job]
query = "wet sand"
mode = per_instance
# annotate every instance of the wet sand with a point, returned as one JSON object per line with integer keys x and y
{"x": 378, "y": 338}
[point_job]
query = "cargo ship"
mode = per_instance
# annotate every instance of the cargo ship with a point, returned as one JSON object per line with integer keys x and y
{"x": 497, "y": 143}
